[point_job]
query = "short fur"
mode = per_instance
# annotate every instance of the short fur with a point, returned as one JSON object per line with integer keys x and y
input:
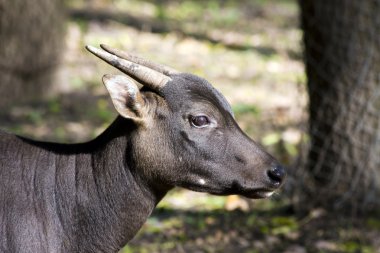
{"x": 94, "y": 197}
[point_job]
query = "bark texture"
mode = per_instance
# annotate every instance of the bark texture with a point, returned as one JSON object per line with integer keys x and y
{"x": 342, "y": 57}
{"x": 31, "y": 33}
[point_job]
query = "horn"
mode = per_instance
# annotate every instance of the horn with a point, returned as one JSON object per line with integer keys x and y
{"x": 124, "y": 55}
{"x": 145, "y": 75}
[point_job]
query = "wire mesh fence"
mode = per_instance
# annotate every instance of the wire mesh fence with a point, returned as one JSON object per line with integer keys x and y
{"x": 341, "y": 165}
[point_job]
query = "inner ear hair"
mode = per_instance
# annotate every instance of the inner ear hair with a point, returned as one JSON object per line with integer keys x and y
{"x": 126, "y": 97}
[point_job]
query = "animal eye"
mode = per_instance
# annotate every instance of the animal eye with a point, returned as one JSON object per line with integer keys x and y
{"x": 199, "y": 121}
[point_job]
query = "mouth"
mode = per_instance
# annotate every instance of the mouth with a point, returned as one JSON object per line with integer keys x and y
{"x": 258, "y": 194}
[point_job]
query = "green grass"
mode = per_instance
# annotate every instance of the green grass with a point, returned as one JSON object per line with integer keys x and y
{"x": 268, "y": 227}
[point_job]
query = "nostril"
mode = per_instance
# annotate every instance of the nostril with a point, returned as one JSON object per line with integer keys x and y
{"x": 277, "y": 174}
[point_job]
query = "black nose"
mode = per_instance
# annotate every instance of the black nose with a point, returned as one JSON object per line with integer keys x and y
{"x": 277, "y": 174}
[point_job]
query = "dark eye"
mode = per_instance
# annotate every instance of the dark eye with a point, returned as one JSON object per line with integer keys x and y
{"x": 199, "y": 121}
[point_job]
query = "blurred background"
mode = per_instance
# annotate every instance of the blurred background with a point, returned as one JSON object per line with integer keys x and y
{"x": 303, "y": 80}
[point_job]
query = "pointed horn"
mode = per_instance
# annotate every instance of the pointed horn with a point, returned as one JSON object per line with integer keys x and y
{"x": 126, "y": 56}
{"x": 146, "y": 76}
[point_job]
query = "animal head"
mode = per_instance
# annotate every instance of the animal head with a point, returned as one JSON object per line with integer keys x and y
{"x": 185, "y": 132}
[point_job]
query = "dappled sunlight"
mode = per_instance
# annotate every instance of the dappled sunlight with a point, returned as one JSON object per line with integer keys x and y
{"x": 251, "y": 52}
{"x": 264, "y": 75}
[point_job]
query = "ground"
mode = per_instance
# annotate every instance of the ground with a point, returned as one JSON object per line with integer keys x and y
{"x": 251, "y": 52}
{"x": 268, "y": 226}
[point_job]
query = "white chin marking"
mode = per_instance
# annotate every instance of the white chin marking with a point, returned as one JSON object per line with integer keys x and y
{"x": 202, "y": 181}
{"x": 268, "y": 194}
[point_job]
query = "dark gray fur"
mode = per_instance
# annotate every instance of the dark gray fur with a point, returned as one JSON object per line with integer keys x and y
{"x": 94, "y": 197}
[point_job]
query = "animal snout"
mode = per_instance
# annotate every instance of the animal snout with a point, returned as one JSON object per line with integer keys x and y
{"x": 277, "y": 175}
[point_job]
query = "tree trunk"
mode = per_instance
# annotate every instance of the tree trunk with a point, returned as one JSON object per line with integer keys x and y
{"x": 31, "y": 34}
{"x": 342, "y": 57}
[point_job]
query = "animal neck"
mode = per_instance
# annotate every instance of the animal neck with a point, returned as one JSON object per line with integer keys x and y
{"x": 113, "y": 201}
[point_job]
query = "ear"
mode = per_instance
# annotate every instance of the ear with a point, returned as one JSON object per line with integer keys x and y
{"x": 126, "y": 97}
